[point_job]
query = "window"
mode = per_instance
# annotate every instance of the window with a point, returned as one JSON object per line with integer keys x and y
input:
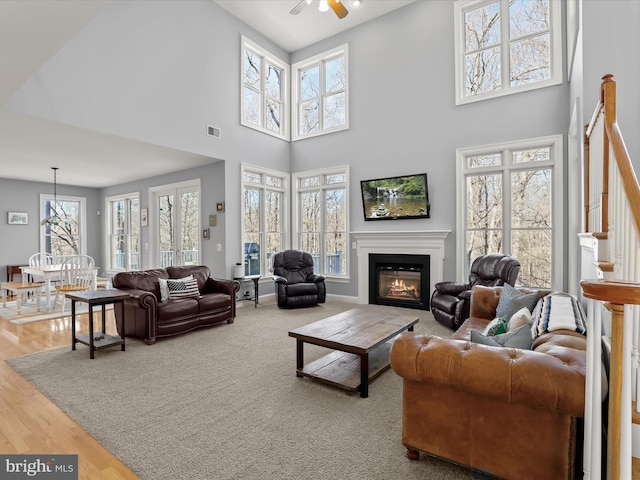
{"x": 321, "y": 98}
{"x": 506, "y": 46}
{"x": 513, "y": 204}
{"x": 265, "y": 218}
{"x": 124, "y": 232}
{"x": 264, "y": 91}
{"x": 69, "y": 237}
{"x": 322, "y": 211}
{"x": 174, "y": 221}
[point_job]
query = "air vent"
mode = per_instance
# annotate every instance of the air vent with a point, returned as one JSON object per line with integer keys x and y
{"x": 213, "y": 131}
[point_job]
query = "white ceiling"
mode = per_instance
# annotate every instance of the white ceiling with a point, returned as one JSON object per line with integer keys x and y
{"x": 32, "y": 31}
{"x": 293, "y": 32}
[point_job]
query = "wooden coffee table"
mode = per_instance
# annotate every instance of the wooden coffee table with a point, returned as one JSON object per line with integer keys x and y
{"x": 361, "y": 340}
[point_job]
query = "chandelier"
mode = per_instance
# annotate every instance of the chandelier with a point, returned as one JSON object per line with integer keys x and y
{"x": 53, "y": 218}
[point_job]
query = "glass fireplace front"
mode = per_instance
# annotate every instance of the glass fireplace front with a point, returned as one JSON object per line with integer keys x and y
{"x": 399, "y": 280}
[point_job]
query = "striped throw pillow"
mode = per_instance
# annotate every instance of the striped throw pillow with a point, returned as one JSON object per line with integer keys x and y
{"x": 183, "y": 288}
{"x": 558, "y": 311}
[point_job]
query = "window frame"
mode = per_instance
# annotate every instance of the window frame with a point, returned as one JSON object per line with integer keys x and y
{"x": 284, "y": 134}
{"x": 556, "y": 163}
{"x": 82, "y": 214}
{"x": 296, "y": 233}
{"x": 296, "y": 68}
{"x": 109, "y": 202}
{"x": 556, "y": 66}
{"x": 286, "y": 217}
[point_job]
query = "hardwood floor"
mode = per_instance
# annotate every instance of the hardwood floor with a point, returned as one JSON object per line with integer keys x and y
{"x": 30, "y": 423}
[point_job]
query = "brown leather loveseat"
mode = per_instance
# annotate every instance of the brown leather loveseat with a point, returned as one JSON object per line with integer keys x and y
{"x": 149, "y": 318}
{"x": 509, "y": 412}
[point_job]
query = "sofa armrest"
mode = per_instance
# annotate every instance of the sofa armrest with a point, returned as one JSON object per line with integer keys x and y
{"x": 140, "y": 298}
{"x": 451, "y": 288}
{"x": 221, "y": 285}
{"x": 507, "y": 375}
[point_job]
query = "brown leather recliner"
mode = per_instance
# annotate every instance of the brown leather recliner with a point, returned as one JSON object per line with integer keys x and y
{"x": 296, "y": 284}
{"x": 450, "y": 300}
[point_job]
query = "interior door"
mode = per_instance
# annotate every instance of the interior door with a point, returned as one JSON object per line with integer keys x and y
{"x": 178, "y": 226}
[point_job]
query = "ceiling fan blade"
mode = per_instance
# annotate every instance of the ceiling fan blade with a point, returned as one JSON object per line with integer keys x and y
{"x": 337, "y": 6}
{"x": 299, "y": 7}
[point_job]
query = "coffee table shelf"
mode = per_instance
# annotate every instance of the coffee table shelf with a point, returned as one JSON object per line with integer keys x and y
{"x": 342, "y": 369}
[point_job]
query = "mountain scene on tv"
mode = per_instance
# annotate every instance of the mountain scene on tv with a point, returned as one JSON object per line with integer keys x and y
{"x": 395, "y": 198}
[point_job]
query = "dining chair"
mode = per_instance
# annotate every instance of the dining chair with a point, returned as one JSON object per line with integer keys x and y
{"x": 76, "y": 275}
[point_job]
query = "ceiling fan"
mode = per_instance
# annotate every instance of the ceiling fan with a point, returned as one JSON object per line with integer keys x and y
{"x": 336, "y": 5}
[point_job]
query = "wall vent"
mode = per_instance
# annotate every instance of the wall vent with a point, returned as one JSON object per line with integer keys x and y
{"x": 213, "y": 131}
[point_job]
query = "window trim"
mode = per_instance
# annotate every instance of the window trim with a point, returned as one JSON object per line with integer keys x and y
{"x": 555, "y": 31}
{"x": 108, "y": 228}
{"x": 296, "y": 190}
{"x": 295, "y": 75}
{"x": 556, "y": 164}
{"x": 286, "y": 198}
{"x": 285, "y": 128}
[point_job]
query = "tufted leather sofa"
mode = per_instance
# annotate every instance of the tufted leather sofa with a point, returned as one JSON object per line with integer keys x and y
{"x": 296, "y": 284}
{"x": 450, "y": 300}
{"x": 149, "y": 318}
{"x": 508, "y": 412}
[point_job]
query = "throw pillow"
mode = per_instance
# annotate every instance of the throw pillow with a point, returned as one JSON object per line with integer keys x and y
{"x": 164, "y": 288}
{"x": 512, "y": 300}
{"x": 520, "y": 318}
{"x": 183, "y": 288}
{"x": 496, "y": 326}
{"x": 518, "y": 338}
{"x": 477, "y": 337}
{"x": 558, "y": 311}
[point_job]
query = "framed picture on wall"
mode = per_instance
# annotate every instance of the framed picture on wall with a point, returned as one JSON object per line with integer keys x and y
{"x": 17, "y": 218}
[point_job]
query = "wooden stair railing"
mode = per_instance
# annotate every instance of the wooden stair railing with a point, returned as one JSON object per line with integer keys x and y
{"x": 612, "y": 213}
{"x": 615, "y": 294}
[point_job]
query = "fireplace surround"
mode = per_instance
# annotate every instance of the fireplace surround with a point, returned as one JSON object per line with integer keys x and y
{"x": 423, "y": 242}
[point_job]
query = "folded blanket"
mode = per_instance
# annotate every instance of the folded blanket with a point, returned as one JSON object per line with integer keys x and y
{"x": 557, "y": 311}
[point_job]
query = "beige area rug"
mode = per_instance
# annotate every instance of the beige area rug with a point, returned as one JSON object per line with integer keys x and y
{"x": 225, "y": 403}
{"x": 29, "y": 312}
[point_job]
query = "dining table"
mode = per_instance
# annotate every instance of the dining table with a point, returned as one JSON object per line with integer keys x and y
{"x": 50, "y": 273}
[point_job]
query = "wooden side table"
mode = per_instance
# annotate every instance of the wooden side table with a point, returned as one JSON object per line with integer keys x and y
{"x": 14, "y": 270}
{"x": 97, "y": 340}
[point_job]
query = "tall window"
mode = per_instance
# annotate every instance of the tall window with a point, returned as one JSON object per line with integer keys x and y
{"x": 506, "y": 46}
{"x": 69, "y": 237}
{"x": 265, "y": 214}
{"x": 174, "y": 223}
{"x": 321, "y": 94}
{"x": 264, "y": 91}
{"x": 124, "y": 232}
{"x": 322, "y": 211}
{"x": 513, "y": 204}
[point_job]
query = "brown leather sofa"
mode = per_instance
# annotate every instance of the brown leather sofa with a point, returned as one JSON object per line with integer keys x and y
{"x": 507, "y": 412}
{"x": 149, "y": 318}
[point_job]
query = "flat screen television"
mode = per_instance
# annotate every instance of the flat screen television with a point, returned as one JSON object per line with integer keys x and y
{"x": 395, "y": 198}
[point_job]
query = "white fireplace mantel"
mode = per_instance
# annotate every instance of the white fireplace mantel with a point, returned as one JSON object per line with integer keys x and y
{"x": 427, "y": 242}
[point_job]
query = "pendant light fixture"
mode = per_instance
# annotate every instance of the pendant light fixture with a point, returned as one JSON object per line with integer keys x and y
{"x": 53, "y": 219}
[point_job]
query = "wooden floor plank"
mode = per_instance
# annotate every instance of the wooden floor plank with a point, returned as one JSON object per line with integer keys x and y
{"x": 30, "y": 423}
